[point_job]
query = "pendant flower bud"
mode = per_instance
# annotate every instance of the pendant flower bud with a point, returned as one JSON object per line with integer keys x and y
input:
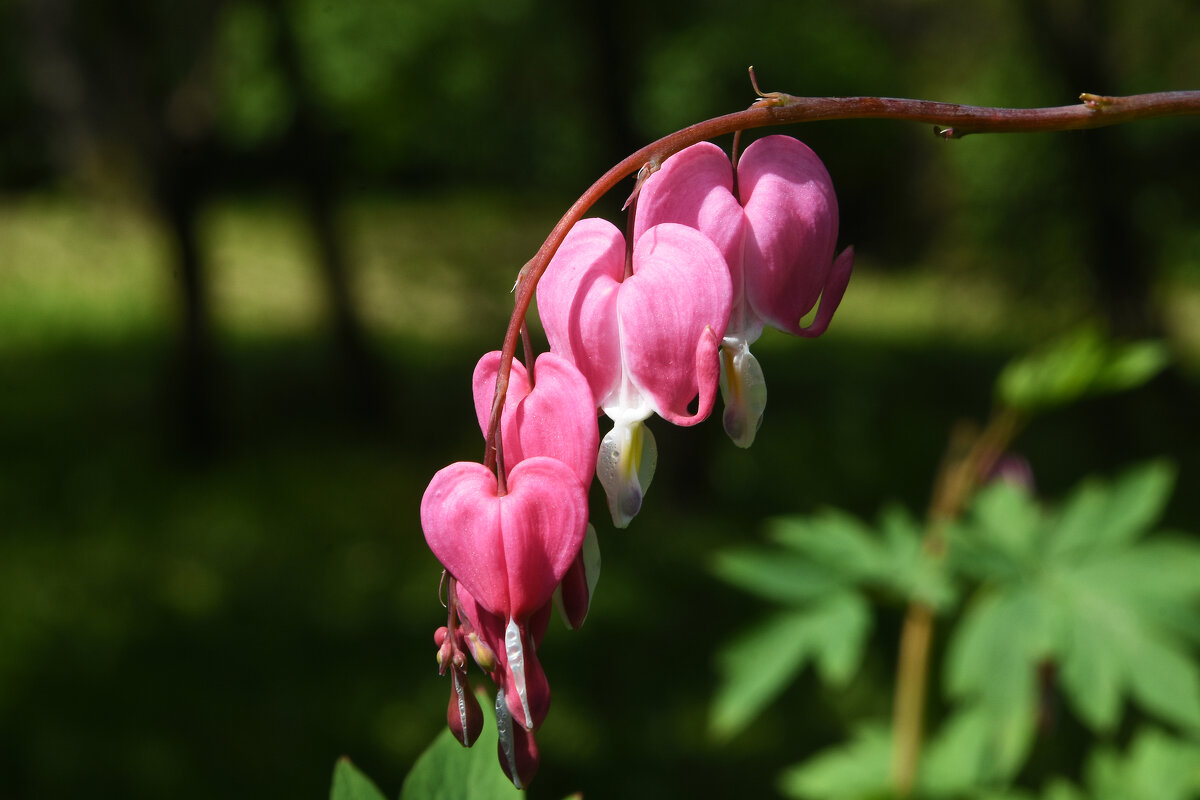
{"x": 646, "y": 343}
{"x": 516, "y": 747}
{"x": 464, "y": 715}
{"x": 777, "y": 228}
{"x": 573, "y": 597}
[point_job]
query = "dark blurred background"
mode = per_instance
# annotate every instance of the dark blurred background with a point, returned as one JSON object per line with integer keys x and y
{"x": 250, "y": 251}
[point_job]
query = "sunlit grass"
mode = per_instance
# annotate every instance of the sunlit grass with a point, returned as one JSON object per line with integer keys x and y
{"x": 435, "y": 270}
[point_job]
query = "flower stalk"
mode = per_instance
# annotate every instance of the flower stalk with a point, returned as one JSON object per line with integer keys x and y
{"x": 969, "y": 458}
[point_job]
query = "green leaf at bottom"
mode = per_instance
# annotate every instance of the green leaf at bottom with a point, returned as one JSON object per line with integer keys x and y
{"x": 449, "y": 771}
{"x": 350, "y": 784}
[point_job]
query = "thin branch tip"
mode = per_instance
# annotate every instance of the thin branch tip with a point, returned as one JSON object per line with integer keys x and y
{"x": 768, "y": 99}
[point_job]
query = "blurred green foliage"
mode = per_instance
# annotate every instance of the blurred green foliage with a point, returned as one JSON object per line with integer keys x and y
{"x": 231, "y": 627}
{"x": 1073, "y": 600}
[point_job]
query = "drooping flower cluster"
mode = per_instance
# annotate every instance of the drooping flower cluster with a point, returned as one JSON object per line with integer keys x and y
{"x": 652, "y": 326}
{"x": 509, "y": 549}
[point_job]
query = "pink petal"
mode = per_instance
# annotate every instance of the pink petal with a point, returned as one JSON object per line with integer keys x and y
{"x": 694, "y": 187}
{"x": 460, "y": 515}
{"x": 483, "y": 386}
{"x": 831, "y": 293}
{"x": 791, "y": 210}
{"x": 510, "y": 551}
{"x": 673, "y": 312}
{"x": 576, "y": 300}
{"x": 490, "y": 627}
{"x": 574, "y": 594}
{"x": 544, "y": 517}
{"x": 557, "y": 418}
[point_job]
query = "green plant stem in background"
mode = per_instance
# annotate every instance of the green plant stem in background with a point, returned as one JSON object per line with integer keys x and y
{"x": 970, "y": 456}
{"x": 950, "y": 121}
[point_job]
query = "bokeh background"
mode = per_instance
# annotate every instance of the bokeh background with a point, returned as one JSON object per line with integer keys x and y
{"x": 250, "y": 251}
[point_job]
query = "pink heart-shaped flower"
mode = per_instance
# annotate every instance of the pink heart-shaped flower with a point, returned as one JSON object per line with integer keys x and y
{"x": 646, "y": 343}
{"x": 509, "y": 551}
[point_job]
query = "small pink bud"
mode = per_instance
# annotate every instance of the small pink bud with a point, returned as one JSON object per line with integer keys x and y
{"x": 445, "y": 649}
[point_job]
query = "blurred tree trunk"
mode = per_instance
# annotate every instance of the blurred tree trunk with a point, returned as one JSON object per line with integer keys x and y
{"x": 310, "y": 152}
{"x": 133, "y": 80}
{"x": 1073, "y": 34}
{"x": 613, "y": 46}
{"x": 178, "y": 192}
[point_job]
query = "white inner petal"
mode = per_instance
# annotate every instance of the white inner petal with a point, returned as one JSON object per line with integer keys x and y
{"x": 515, "y": 651}
{"x": 504, "y": 729}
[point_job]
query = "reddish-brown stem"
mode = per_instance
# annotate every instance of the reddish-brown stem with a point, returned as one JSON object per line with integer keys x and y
{"x": 950, "y": 121}
{"x": 630, "y": 221}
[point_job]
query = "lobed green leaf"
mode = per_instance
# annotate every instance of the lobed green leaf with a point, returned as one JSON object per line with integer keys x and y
{"x": 782, "y": 577}
{"x": 1156, "y": 767}
{"x": 908, "y": 568}
{"x": 755, "y": 668}
{"x": 758, "y": 665}
{"x": 837, "y": 540}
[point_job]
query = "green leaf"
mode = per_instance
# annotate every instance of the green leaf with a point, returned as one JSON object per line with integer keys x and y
{"x": 1009, "y": 518}
{"x": 755, "y": 667}
{"x": 1060, "y": 789}
{"x": 1137, "y": 500}
{"x": 1081, "y": 363}
{"x": 449, "y": 771}
{"x": 851, "y": 771}
{"x": 758, "y": 665}
{"x": 910, "y": 570}
{"x": 1150, "y": 662}
{"x": 979, "y": 746}
{"x": 1167, "y": 682}
{"x": 835, "y": 539}
{"x": 1131, "y": 365}
{"x": 839, "y": 627}
{"x": 1001, "y": 537}
{"x": 783, "y": 577}
{"x": 350, "y": 784}
{"x": 1156, "y": 767}
{"x": 1100, "y": 515}
{"x": 1093, "y": 677}
{"x": 994, "y": 651}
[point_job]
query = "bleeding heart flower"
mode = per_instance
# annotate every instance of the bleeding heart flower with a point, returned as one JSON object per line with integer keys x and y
{"x": 556, "y": 417}
{"x": 646, "y": 343}
{"x": 777, "y": 228}
{"x": 510, "y": 550}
